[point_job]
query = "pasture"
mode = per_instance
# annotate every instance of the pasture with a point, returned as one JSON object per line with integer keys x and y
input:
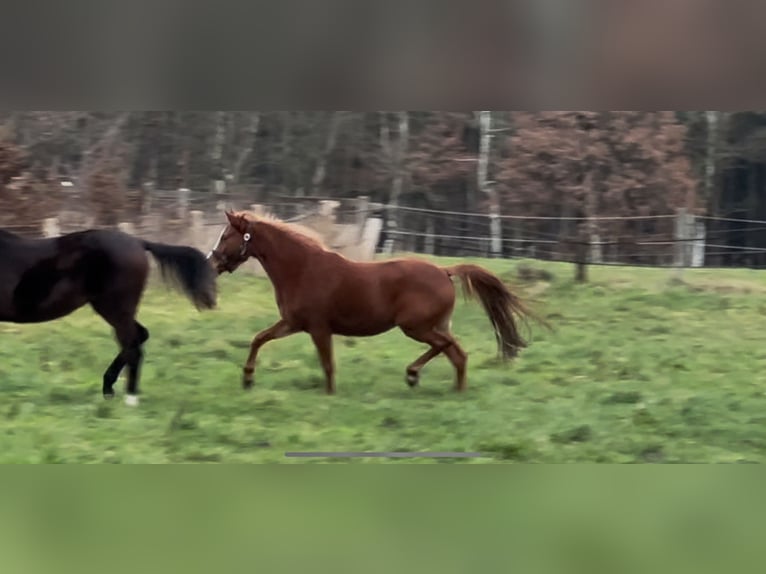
{"x": 637, "y": 369}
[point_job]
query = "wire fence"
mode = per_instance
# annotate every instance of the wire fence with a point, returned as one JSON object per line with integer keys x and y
{"x": 663, "y": 240}
{"x": 656, "y": 240}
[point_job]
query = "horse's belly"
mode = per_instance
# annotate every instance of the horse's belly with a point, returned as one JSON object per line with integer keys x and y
{"x": 360, "y": 324}
{"x": 36, "y": 307}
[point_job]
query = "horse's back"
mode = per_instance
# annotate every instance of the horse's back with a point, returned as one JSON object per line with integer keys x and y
{"x": 44, "y": 279}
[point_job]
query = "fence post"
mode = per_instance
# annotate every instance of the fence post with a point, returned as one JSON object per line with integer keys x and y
{"x": 183, "y": 203}
{"x": 362, "y": 212}
{"x": 596, "y": 252}
{"x": 679, "y": 248}
{"x": 583, "y": 251}
{"x": 581, "y": 261}
{"x": 496, "y": 232}
{"x": 196, "y": 229}
{"x": 698, "y": 250}
{"x": 126, "y": 227}
{"x": 51, "y": 227}
{"x": 430, "y": 239}
{"x": 518, "y": 236}
{"x": 327, "y": 208}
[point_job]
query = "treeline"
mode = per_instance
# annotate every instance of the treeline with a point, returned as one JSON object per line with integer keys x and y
{"x": 548, "y": 163}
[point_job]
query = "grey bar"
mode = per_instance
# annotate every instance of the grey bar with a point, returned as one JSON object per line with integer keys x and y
{"x": 383, "y": 454}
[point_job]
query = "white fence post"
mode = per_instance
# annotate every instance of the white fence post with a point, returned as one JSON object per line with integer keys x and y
{"x": 596, "y": 251}
{"x": 680, "y": 247}
{"x": 51, "y": 227}
{"x": 126, "y": 227}
{"x": 196, "y": 229}
{"x": 183, "y": 203}
{"x": 698, "y": 245}
{"x": 362, "y": 213}
{"x": 496, "y": 233}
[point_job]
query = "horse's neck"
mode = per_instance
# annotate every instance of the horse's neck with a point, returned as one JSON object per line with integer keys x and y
{"x": 281, "y": 255}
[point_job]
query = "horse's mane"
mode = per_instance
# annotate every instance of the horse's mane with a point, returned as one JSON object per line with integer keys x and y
{"x": 302, "y": 233}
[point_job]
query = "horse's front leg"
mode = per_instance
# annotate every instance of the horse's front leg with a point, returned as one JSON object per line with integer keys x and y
{"x": 278, "y": 330}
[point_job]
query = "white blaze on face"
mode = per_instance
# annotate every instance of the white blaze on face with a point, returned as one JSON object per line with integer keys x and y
{"x": 218, "y": 242}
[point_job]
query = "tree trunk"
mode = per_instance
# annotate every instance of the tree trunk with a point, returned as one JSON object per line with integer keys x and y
{"x": 321, "y": 167}
{"x": 249, "y": 145}
{"x": 399, "y": 174}
{"x": 485, "y": 186}
{"x": 101, "y": 147}
{"x": 218, "y": 182}
{"x": 710, "y": 157}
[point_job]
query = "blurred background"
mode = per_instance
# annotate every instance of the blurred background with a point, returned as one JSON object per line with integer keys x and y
{"x": 669, "y": 188}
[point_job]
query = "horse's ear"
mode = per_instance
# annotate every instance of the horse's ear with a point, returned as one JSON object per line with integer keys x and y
{"x": 238, "y": 222}
{"x": 232, "y": 217}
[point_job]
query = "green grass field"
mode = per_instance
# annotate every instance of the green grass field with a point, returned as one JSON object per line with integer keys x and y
{"x": 637, "y": 369}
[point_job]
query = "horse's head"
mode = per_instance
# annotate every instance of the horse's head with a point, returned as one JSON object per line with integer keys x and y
{"x": 233, "y": 246}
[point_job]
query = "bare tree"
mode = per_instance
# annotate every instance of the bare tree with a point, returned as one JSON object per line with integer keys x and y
{"x": 486, "y": 186}
{"x": 712, "y": 120}
{"x": 216, "y": 153}
{"x": 397, "y": 155}
{"x": 249, "y": 146}
{"x": 321, "y": 166}
{"x": 102, "y": 148}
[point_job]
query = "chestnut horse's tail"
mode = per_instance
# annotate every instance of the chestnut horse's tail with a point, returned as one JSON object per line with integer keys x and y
{"x": 500, "y": 304}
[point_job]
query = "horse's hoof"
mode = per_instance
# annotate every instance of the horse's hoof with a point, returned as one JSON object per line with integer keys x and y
{"x": 413, "y": 379}
{"x": 131, "y": 400}
{"x": 247, "y": 384}
{"x": 108, "y": 395}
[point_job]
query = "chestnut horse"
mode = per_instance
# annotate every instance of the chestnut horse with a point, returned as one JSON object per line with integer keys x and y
{"x": 45, "y": 279}
{"x": 322, "y": 293}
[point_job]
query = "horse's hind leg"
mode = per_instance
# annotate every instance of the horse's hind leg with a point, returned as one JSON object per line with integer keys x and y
{"x": 413, "y": 369}
{"x": 127, "y": 333}
{"x": 130, "y": 336}
{"x": 323, "y": 343}
{"x": 459, "y": 359}
{"x": 431, "y": 337}
{"x": 113, "y": 371}
{"x": 441, "y": 342}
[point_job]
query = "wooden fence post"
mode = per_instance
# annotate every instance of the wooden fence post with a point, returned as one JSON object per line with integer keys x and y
{"x": 583, "y": 249}
{"x": 183, "y": 203}
{"x": 679, "y": 247}
{"x": 362, "y": 212}
{"x": 596, "y": 251}
{"x": 698, "y": 245}
{"x": 496, "y": 232}
{"x": 196, "y": 229}
{"x": 429, "y": 239}
{"x": 51, "y": 227}
{"x": 126, "y": 227}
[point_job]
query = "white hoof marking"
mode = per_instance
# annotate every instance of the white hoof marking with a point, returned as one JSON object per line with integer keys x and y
{"x": 131, "y": 400}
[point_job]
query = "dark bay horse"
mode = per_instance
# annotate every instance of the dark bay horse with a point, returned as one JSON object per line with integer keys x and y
{"x": 322, "y": 293}
{"x": 45, "y": 279}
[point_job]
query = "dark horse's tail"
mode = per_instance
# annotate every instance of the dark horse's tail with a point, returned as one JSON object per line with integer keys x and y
{"x": 187, "y": 268}
{"x": 499, "y": 303}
